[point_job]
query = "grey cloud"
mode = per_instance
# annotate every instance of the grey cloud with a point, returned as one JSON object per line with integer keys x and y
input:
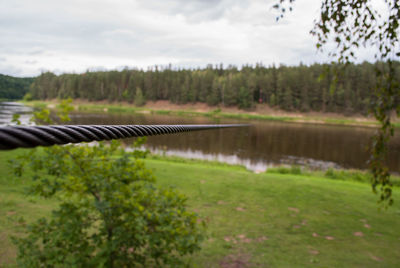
{"x": 31, "y": 62}
{"x": 102, "y": 34}
{"x": 35, "y": 52}
{"x": 8, "y": 69}
{"x": 195, "y": 10}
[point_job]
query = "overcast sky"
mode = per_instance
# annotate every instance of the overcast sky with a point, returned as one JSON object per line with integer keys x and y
{"x": 76, "y": 35}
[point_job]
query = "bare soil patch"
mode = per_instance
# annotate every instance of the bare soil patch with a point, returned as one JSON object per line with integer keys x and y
{"x": 239, "y": 260}
{"x": 360, "y": 234}
{"x": 375, "y": 258}
{"x": 313, "y": 252}
{"x": 296, "y": 210}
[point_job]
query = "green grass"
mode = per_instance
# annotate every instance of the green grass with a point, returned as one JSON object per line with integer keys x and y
{"x": 123, "y": 108}
{"x": 287, "y": 209}
{"x": 262, "y": 220}
{"x": 16, "y": 207}
{"x": 334, "y": 174}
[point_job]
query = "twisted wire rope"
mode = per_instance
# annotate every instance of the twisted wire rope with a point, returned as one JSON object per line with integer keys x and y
{"x": 12, "y": 137}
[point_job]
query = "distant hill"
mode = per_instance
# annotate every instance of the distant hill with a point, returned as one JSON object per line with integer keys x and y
{"x": 13, "y": 88}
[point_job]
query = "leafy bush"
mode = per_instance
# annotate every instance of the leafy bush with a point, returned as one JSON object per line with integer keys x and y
{"x": 330, "y": 173}
{"x": 111, "y": 213}
{"x": 350, "y": 175}
{"x": 295, "y": 170}
{"x": 28, "y": 97}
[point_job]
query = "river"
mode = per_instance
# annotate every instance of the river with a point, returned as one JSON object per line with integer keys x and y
{"x": 262, "y": 145}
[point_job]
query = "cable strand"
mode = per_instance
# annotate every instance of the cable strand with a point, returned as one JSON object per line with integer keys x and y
{"x": 12, "y": 137}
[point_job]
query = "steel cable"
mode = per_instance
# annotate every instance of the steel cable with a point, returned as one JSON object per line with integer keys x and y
{"x": 12, "y": 137}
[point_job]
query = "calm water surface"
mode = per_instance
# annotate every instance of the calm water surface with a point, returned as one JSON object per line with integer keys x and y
{"x": 7, "y": 109}
{"x": 263, "y": 144}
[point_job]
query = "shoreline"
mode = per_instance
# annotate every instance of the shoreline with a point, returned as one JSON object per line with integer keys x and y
{"x": 200, "y": 109}
{"x": 342, "y": 174}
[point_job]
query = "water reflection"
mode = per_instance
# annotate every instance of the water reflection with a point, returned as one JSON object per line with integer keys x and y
{"x": 7, "y": 109}
{"x": 264, "y": 144}
{"x": 255, "y": 166}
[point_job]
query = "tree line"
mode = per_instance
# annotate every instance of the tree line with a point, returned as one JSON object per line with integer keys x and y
{"x": 316, "y": 87}
{"x": 12, "y": 88}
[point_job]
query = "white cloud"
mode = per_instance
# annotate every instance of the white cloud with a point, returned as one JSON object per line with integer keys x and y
{"x": 75, "y": 35}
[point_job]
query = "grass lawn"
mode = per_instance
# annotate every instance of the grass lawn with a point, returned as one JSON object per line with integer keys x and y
{"x": 254, "y": 220}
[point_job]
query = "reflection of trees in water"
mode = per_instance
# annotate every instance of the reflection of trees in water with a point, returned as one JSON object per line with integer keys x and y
{"x": 7, "y": 109}
{"x": 265, "y": 141}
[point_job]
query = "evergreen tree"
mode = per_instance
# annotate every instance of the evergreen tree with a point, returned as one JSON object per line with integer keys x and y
{"x": 299, "y": 88}
{"x": 139, "y": 98}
